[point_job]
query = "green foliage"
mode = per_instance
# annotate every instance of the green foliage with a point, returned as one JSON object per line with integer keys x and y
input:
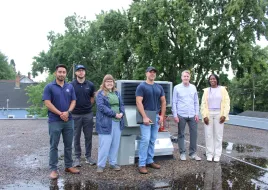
{"x": 254, "y": 79}
{"x": 173, "y": 35}
{"x": 101, "y": 46}
{"x": 201, "y": 36}
{"x": 35, "y": 93}
{"x": 241, "y": 92}
{"x": 12, "y": 63}
{"x": 6, "y": 71}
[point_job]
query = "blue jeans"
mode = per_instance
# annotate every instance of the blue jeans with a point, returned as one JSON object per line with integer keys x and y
{"x": 55, "y": 130}
{"x": 109, "y": 145}
{"x": 148, "y": 138}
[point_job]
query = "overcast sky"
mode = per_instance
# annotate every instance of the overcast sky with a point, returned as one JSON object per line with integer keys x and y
{"x": 26, "y": 23}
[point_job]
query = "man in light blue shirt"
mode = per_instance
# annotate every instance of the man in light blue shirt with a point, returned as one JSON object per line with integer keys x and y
{"x": 185, "y": 109}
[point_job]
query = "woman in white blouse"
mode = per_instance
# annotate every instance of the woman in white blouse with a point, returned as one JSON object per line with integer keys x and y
{"x": 215, "y": 109}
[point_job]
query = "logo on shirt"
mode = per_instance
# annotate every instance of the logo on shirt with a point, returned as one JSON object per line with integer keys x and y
{"x": 67, "y": 90}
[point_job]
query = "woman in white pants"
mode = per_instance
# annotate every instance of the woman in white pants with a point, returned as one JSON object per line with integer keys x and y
{"x": 215, "y": 109}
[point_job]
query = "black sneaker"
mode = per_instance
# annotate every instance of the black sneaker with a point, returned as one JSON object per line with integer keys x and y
{"x": 115, "y": 167}
{"x": 90, "y": 161}
{"x": 77, "y": 162}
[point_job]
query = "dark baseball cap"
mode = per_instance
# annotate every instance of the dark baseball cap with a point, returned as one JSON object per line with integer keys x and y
{"x": 77, "y": 67}
{"x": 150, "y": 69}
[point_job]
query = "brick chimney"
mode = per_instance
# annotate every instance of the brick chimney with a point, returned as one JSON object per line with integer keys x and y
{"x": 29, "y": 75}
{"x": 17, "y": 84}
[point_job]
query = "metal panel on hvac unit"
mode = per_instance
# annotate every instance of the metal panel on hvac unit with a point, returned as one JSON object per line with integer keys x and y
{"x": 130, "y": 137}
{"x": 126, "y": 153}
{"x": 163, "y": 145}
{"x": 127, "y": 88}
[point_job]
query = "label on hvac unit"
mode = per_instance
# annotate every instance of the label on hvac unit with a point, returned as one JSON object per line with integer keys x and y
{"x": 131, "y": 159}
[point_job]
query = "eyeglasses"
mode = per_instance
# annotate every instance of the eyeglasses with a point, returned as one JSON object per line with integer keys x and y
{"x": 109, "y": 81}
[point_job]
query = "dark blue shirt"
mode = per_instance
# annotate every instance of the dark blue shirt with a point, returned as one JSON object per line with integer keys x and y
{"x": 84, "y": 92}
{"x": 151, "y": 94}
{"x": 60, "y": 97}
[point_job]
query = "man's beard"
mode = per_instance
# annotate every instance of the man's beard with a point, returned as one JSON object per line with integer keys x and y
{"x": 61, "y": 78}
{"x": 81, "y": 77}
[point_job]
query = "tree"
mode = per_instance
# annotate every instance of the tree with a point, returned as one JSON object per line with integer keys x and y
{"x": 202, "y": 36}
{"x": 6, "y": 70}
{"x": 102, "y": 46}
{"x": 252, "y": 87}
{"x": 12, "y": 63}
{"x": 35, "y": 93}
{"x": 172, "y": 35}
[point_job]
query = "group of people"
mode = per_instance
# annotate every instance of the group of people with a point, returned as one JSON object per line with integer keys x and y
{"x": 70, "y": 112}
{"x": 215, "y": 107}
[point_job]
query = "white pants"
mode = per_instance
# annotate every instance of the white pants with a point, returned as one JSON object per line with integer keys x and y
{"x": 213, "y": 135}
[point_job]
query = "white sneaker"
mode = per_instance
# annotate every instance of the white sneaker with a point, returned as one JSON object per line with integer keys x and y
{"x": 216, "y": 159}
{"x": 183, "y": 157}
{"x": 209, "y": 158}
{"x": 195, "y": 157}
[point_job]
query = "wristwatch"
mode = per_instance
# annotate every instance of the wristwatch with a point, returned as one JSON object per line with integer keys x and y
{"x": 69, "y": 112}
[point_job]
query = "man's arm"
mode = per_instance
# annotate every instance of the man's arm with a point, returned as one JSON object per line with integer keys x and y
{"x": 163, "y": 108}
{"x": 92, "y": 100}
{"x": 140, "y": 107}
{"x": 51, "y": 107}
{"x": 174, "y": 105}
{"x": 72, "y": 106}
{"x": 196, "y": 106}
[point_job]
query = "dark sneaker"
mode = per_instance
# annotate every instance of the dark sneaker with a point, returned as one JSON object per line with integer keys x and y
{"x": 77, "y": 162}
{"x": 90, "y": 161}
{"x": 115, "y": 167}
{"x": 100, "y": 169}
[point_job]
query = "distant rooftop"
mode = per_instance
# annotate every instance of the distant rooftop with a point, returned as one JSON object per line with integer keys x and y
{"x": 17, "y": 97}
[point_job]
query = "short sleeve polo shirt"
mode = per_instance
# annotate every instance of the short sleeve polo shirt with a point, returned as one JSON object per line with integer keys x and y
{"x": 84, "y": 92}
{"x": 60, "y": 97}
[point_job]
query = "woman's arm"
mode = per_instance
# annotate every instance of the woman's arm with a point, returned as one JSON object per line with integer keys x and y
{"x": 102, "y": 107}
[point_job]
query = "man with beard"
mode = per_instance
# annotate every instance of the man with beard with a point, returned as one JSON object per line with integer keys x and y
{"x": 150, "y": 96}
{"x": 59, "y": 97}
{"x": 82, "y": 114}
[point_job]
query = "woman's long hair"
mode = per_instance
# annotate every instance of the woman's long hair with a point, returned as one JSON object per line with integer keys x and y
{"x": 102, "y": 86}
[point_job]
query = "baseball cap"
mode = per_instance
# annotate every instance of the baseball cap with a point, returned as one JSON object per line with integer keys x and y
{"x": 77, "y": 67}
{"x": 150, "y": 69}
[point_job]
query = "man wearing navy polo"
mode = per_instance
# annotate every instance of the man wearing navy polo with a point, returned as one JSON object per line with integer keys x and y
{"x": 59, "y": 97}
{"x": 82, "y": 115}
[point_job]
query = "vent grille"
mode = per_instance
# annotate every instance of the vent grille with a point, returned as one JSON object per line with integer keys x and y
{"x": 128, "y": 90}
